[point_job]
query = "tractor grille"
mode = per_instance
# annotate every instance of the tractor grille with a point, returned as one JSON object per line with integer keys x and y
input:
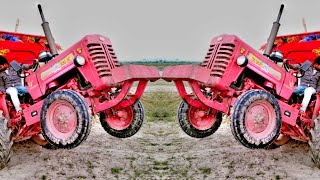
{"x": 103, "y": 58}
{"x": 217, "y": 58}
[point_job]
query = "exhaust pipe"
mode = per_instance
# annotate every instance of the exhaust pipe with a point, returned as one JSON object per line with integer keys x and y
{"x": 273, "y": 34}
{"x": 48, "y": 34}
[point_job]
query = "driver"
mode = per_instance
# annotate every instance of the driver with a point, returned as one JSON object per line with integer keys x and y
{"x": 309, "y": 83}
{"x": 11, "y": 84}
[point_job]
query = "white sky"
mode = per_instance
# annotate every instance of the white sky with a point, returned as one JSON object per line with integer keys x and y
{"x": 160, "y": 28}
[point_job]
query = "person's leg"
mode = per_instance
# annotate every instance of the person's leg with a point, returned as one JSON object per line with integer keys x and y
{"x": 14, "y": 97}
{"x": 299, "y": 90}
{"x": 22, "y": 90}
{"x": 306, "y": 98}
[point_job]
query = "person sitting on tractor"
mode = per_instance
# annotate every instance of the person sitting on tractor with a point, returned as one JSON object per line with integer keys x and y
{"x": 11, "y": 84}
{"x": 309, "y": 83}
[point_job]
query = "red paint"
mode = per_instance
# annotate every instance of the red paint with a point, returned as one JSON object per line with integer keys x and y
{"x": 61, "y": 119}
{"x": 102, "y": 81}
{"x": 260, "y": 118}
{"x": 200, "y": 119}
{"x": 120, "y": 119}
{"x": 218, "y": 81}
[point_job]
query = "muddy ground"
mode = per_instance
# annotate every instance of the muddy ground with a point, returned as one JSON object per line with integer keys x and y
{"x": 160, "y": 150}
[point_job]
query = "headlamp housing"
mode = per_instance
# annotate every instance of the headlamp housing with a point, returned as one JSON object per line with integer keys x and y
{"x": 242, "y": 61}
{"x": 79, "y": 61}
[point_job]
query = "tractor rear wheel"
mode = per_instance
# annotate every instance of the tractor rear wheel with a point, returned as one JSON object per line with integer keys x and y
{"x": 65, "y": 119}
{"x": 314, "y": 142}
{"x": 5, "y": 141}
{"x": 256, "y": 119}
{"x": 196, "y": 122}
{"x": 123, "y": 123}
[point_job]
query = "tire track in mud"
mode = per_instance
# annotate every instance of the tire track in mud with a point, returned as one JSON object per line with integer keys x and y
{"x": 160, "y": 151}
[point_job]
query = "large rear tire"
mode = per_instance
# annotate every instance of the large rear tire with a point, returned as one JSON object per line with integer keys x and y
{"x": 5, "y": 141}
{"x": 198, "y": 123}
{"x": 256, "y": 119}
{"x": 123, "y": 123}
{"x": 314, "y": 142}
{"x": 65, "y": 119}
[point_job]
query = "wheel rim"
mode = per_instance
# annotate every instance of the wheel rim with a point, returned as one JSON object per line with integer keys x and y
{"x": 260, "y": 119}
{"x": 61, "y": 119}
{"x": 121, "y": 119}
{"x": 201, "y": 119}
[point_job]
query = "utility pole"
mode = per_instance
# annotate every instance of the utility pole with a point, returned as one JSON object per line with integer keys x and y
{"x": 304, "y": 25}
{"x": 17, "y": 25}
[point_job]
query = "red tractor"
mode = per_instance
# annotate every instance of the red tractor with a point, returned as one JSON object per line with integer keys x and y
{"x": 236, "y": 80}
{"x": 68, "y": 89}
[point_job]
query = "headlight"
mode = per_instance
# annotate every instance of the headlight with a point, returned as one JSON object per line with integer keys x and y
{"x": 44, "y": 56}
{"x": 242, "y": 61}
{"x": 79, "y": 61}
{"x": 276, "y": 56}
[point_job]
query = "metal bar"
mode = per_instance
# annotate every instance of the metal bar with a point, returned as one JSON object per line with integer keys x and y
{"x": 213, "y": 104}
{"x": 139, "y": 91}
{"x": 108, "y": 104}
{"x": 48, "y": 34}
{"x": 273, "y": 33}
{"x": 183, "y": 93}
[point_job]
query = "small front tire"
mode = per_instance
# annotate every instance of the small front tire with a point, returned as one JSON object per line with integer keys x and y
{"x": 198, "y": 123}
{"x": 123, "y": 123}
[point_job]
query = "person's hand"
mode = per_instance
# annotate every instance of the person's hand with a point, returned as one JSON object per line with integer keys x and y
{"x": 293, "y": 72}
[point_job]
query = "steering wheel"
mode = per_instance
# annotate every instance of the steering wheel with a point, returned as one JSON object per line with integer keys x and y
{"x": 26, "y": 67}
{"x": 298, "y": 73}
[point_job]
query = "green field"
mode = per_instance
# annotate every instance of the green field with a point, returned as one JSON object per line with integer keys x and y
{"x": 161, "y": 106}
{"x": 161, "y": 64}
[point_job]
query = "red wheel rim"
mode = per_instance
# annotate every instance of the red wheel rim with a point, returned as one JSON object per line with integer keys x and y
{"x": 201, "y": 119}
{"x": 121, "y": 119}
{"x": 61, "y": 119}
{"x": 260, "y": 119}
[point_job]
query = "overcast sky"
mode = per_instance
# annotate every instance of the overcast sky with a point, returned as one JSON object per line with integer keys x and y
{"x": 160, "y": 28}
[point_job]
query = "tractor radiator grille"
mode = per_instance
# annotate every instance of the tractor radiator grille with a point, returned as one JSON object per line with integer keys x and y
{"x": 217, "y": 58}
{"x": 103, "y": 58}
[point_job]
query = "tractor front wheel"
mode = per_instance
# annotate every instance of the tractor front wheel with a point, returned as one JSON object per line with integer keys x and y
{"x": 314, "y": 142}
{"x": 124, "y": 122}
{"x": 6, "y": 141}
{"x": 65, "y": 119}
{"x": 256, "y": 119}
{"x": 196, "y": 122}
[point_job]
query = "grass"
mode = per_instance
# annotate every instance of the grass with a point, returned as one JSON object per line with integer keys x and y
{"x": 205, "y": 170}
{"x": 161, "y": 64}
{"x": 160, "y": 165}
{"x": 116, "y": 170}
{"x": 161, "y": 105}
{"x": 137, "y": 173}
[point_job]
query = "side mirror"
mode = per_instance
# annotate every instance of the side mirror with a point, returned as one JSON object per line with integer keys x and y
{"x": 15, "y": 65}
{"x": 305, "y": 66}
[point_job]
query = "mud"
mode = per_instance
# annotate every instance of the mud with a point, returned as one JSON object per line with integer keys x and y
{"x": 160, "y": 150}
